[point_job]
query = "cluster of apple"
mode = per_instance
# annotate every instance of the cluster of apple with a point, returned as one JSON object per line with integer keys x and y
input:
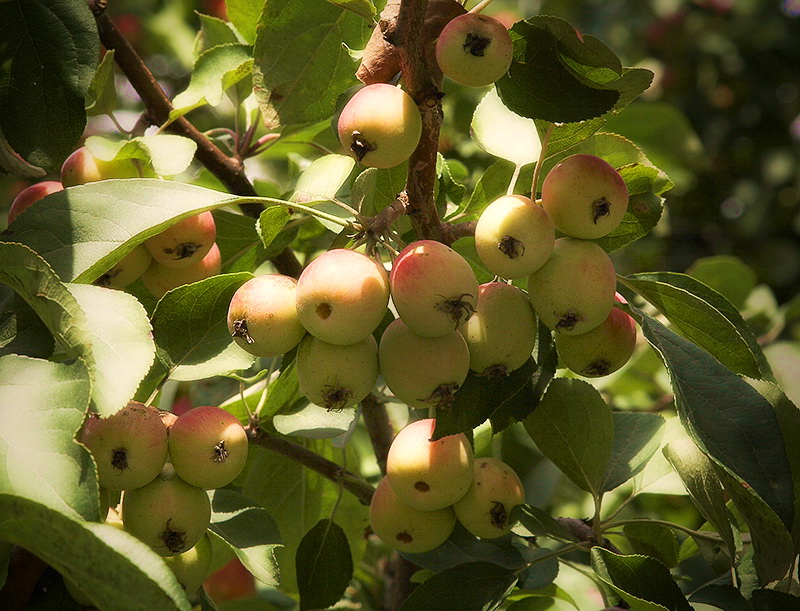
{"x": 184, "y": 252}
{"x": 163, "y": 464}
{"x": 431, "y": 484}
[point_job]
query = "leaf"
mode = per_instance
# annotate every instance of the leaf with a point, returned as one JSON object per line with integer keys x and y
{"x": 704, "y": 317}
{"x": 538, "y": 523}
{"x": 472, "y": 586}
{"x": 314, "y": 422}
{"x": 237, "y": 241}
{"x": 637, "y": 436}
{"x": 115, "y": 569}
{"x": 101, "y": 99}
{"x": 766, "y": 599}
{"x": 244, "y": 15}
{"x": 302, "y": 62}
{"x": 213, "y": 32}
{"x": 560, "y": 77}
{"x": 122, "y": 346}
{"x": 566, "y": 135}
{"x": 323, "y": 565}
{"x": 643, "y": 582}
{"x": 43, "y": 407}
{"x": 21, "y": 330}
{"x": 721, "y": 596}
{"x": 654, "y": 540}
{"x": 573, "y": 427}
{"x": 83, "y": 231}
{"x": 191, "y": 330}
{"x": 48, "y": 56}
{"x": 249, "y": 530}
{"x": 359, "y": 7}
{"x": 215, "y": 71}
{"x": 270, "y": 223}
{"x": 503, "y": 133}
{"x": 167, "y": 154}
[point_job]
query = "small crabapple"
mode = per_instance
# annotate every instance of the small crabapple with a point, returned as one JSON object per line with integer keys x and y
{"x": 433, "y": 288}
{"x": 159, "y": 279}
{"x": 82, "y": 167}
{"x": 262, "y": 316}
{"x": 336, "y": 377}
{"x": 422, "y": 371}
{"x": 404, "y": 528}
{"x": 231, "y": 582}
{"x": 380, "y": 126}
{"x": 184, "y": 243}
{"x": 485, "y": 509}
{"x": 425, "y": 474}
{"x": 585, "y": 196}
{"x": 342, "y": 296}
{"x": 127, "y": 270}
{"x": 30, "y": 195}
{"x": 474, "y": 50}
{"x": 191, "y": 567}
{"x": 129, "y": 447}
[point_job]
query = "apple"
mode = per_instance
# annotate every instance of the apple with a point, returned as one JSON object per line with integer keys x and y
{"x": 129, "y": 269}
{"x": 30, "y": 195}
{"x": 185, "y": 243}
{"x": 82, "y": 167}
{"x": 159, "y": 279}
{"x": 474, "y": 50}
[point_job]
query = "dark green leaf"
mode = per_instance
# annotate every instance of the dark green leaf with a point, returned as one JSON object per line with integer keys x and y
{"x": 475, "y": 586}
{"x": 101, "y": 98}
{"x": 324, "y": 565}
{"x": 539, "y": 523}
{"x": 642, "y": 582}
{"x": 21, "y": 330}
{"x": 771, "y": 600}
{"x": 722, "y": 597}
{"x": 654, "y": 540}
{"x": 270, "y": 223}
{"x": 237, "y": 240}
{"x": 48, "y": 56}
{"x": 637, "y": 436}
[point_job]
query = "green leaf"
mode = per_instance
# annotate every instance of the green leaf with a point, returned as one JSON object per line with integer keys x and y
{"x": 374, "y": 189}
{"x": 314, "y": 422}
{"x": 324, "y": 565}
{"x": 213, "y": 32}
{"x": 637, "y": 436}
{"x": 83, "y": 231}
{"x": 654, "y": 540}
{"x": 566, "y": 135}
{"x": 493, "y": 183}
{"x": 729, "y": 276}
{"x": 48, "y": 56}
{"x": 191, "y": 330}
{"x": 237, "y": 241}
{"x": 502, "y": 133}
{"x": 643, "y": 582}
{"x": 249, "y": 530}
{"x": 21, "y": 330}
{"x": 704, "y": 317}
{"x": 364, "y": 8}
{"x": 472, "y": 586}
{"x": 270, "y": 223}
{"x": 766, "y": 599}
{"x": 573, "y": 427}
{"x": 43, "y": 408}
{"x": 215, "y": 71}
{"x": 115, "y": 569}
{"x": 560, "y": 77}
{"x": 167, "y": 154}
{"x": 723, "y": 597}
{"x": 101, "y": 99}
{"x": 319, "y": 184}
{"x": 244, "y": 16}
{"x": 302, "y": 62}
{"x": 538, "y": 523}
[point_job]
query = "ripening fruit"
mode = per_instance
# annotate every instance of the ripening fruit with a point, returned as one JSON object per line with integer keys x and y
{"x": 433, "y": 288}
{"x": 342, "y": 296}
{"x": 159, "y": 279}
{"x": 129, "y": 447}
{"x": 429, "y": 475}
{"x": 404, "y": 528}
{"x": 502, "y": 332}
{"x": 336, "y": 377}
{"x": 422, "y": 371}
{"x": 602, "y": 350}
{"x": 262, "y": 316}
{"x": 30, "y": 195}
{"x": 514, "y": 236}
{"x": 208, "y": 447}
{"x": 380, "y": 126}
{"x": 82, "y": 167}
{"x": 167, "y": 514}
{"x": 574, "y": 291}
{"x": 485, "y": 509}
{"x": 129, "y": 269}
{"x": 192, "y": 566}
{"x": 184, "y": 243}
{"x": 474, "y": 50}
{"x": 585, "y": 196}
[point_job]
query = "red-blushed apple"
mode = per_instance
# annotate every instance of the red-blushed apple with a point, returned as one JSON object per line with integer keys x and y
{"x": 159, "y": 279}
{"x": 129, "y": 447}
{"x": 425, "y": 474}
{"x": 604, "y": 349}
{"x": 82, "y": 167}
{"x": 514, "y": 236}
{"x": 232, "y": 582}
{"x": 29, "y": 196}
{"x": 502, "y": 332}
{"x": 585, "y": 196}
{"x": 167, "y": 514}
{"x": 474, "y": 50}
{"x": 433, "y": 288}
{"x": 404, "y": 528}
{"x": 129, "y": 269}
{"x": 485, "y": 509}
{"x": 208, "y": 447}
{"x": 342, "y": 296}
{"x": 336, "y": 377}
{"x": 574, "y": 291}
{"x": 380, "y": 126}
{"x": 262, "y": 316}
{"x": 185, "y": 243}
{"x": 422, "y": 372}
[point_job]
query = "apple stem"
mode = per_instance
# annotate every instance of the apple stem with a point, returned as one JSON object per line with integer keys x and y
{"x": 542, "y": 154}
{"x": 478, "y": 8}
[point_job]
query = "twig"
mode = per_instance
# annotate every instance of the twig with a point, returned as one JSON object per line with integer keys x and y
{"x": 376, "y": 421}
